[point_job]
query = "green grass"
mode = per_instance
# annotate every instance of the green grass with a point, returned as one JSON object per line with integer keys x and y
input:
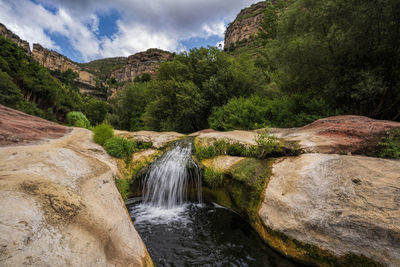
{"x": 123, "y": 188}
{"x": 102, "y": 132}
{"x": 119, "y": 147}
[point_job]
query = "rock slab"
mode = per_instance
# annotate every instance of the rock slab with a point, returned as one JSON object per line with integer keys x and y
{"x": 345, "y": 204}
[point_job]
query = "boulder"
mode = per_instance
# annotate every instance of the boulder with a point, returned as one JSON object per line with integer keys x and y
{"x": 159, "y": 139}
{"x": 333, "y": 135}
{"x": 59, "y": 205}
{"x": 342, "y": 204}
{"x": 339, "y": 134}
{"x": 19, "y": 128}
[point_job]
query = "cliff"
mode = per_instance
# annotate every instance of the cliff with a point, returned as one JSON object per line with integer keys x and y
{"x": 52, "y": 60}
{"x": 245, "y": 25}
{"x": 15, "y": 38}
{"x": 140, "y": 63}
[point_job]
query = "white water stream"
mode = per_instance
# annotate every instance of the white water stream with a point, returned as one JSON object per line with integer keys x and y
{"x": 167, "y": 183}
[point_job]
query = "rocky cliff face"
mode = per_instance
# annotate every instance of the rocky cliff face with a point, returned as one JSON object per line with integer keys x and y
{"x": 140, "y": 63}
{"x": 55, "y": 61}
{"x": 12, "y": 36}
{"x": 245, "y": 25}
{"x": 52, "y": 60}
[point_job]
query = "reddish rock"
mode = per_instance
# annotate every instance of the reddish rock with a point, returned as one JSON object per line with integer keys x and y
{"x": 19, "y": 128}
{"x": 340, "y": 134}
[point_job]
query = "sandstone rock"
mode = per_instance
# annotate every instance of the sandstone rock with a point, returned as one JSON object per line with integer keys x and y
{"x": 19, "y": 128}
{"x": 159, "y": 139}
{"x": 15, "y": 38}
{"x": 339, "y": 134}
{"x": 221, "y": 163}
{"x": 53, "y": 60}
{"x": 140, "y": 63}
{"x": 59, "y": 207}
{"x": 244, "y": 137}
{"x": 245, "y": 25}
{"x": 344, "y": 204}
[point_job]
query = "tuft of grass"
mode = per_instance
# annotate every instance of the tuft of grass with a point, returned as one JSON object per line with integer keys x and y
{"x": 119, "y": 147}
{"x": 102, "y": 132}
{"x": 123, "y": 188}
{"x": 213, "y": 178}
{"x": 267, "y": 146}
{"x": 390, "y": 146}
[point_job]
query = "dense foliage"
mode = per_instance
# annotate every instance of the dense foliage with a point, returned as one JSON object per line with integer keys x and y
{"x": 311, "y": 59}
{"x": 101, "y": 133}
{"x": 31, "y": 88}
{"x": 78, "y": 119}
{"x": 185, "y": 92}
{"x": 347, "y": 52}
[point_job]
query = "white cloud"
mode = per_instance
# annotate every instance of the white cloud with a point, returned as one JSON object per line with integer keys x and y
{"x": 142, "y": 25}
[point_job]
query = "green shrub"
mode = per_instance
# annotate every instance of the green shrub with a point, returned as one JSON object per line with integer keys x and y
{"x": 119, "y": 147}
{"x": 102, "y": 132}
{"x": 257, "y": 112}
{"x": 267, "y": 143}
{"x": 140, "y": 145}
{"x": 77, "y": 119}
{"x": 390, "y": 147}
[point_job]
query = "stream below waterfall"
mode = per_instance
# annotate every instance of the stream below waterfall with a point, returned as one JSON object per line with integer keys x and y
{"x": 179, "y": 232}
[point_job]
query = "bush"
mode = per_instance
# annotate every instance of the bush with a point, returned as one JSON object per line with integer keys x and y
{"x": 77, "y": 119}
{"x": 267, "y": 144}
{"x": 102, "y": 133}
{"x": 119, "y": 147}
{"x": 390, "y": 147}
{"x": 258, "y": 112}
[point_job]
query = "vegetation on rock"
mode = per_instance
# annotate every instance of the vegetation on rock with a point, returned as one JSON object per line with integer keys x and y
{"x": 78, "y": 119}
{"x": 390, "y": 147}
{"x": 102, "y": 132}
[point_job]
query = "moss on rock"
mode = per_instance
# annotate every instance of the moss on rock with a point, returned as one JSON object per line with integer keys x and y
{"x": 240, "y": 187}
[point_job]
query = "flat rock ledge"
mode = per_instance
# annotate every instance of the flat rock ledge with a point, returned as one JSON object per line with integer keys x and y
{"x": 344, "y": 204}
{"x": 333, "y": 135}
{"x": 59, "y": 207}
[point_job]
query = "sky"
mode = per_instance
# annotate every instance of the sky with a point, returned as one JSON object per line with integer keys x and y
{"x": 84, "y": 30}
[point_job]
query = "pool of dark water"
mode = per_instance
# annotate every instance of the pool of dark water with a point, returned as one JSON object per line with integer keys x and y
{"x": 201, "y": 235}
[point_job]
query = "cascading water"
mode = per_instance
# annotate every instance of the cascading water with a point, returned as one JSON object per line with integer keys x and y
{"x": 178, "y": 232}
{"x": 167, "y": 183}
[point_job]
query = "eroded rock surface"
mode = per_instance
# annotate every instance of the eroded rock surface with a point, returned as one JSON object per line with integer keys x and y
{"x": 59, "y": 206}
{"x": 339, "y": 134}
{"x": 333, "y": 135}
{"x": 19, "y": 128}
{"x": 159, "y": 139}
{"x": 345, "y": 204}
{"x": 245, "y": 25}
{"x": 140, "y": 63}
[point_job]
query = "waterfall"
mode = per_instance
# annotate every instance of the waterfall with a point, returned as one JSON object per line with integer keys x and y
{"x": 170, "y": 178}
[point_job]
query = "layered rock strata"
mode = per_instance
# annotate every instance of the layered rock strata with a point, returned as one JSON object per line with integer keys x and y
{"x": 141, "y": 63}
